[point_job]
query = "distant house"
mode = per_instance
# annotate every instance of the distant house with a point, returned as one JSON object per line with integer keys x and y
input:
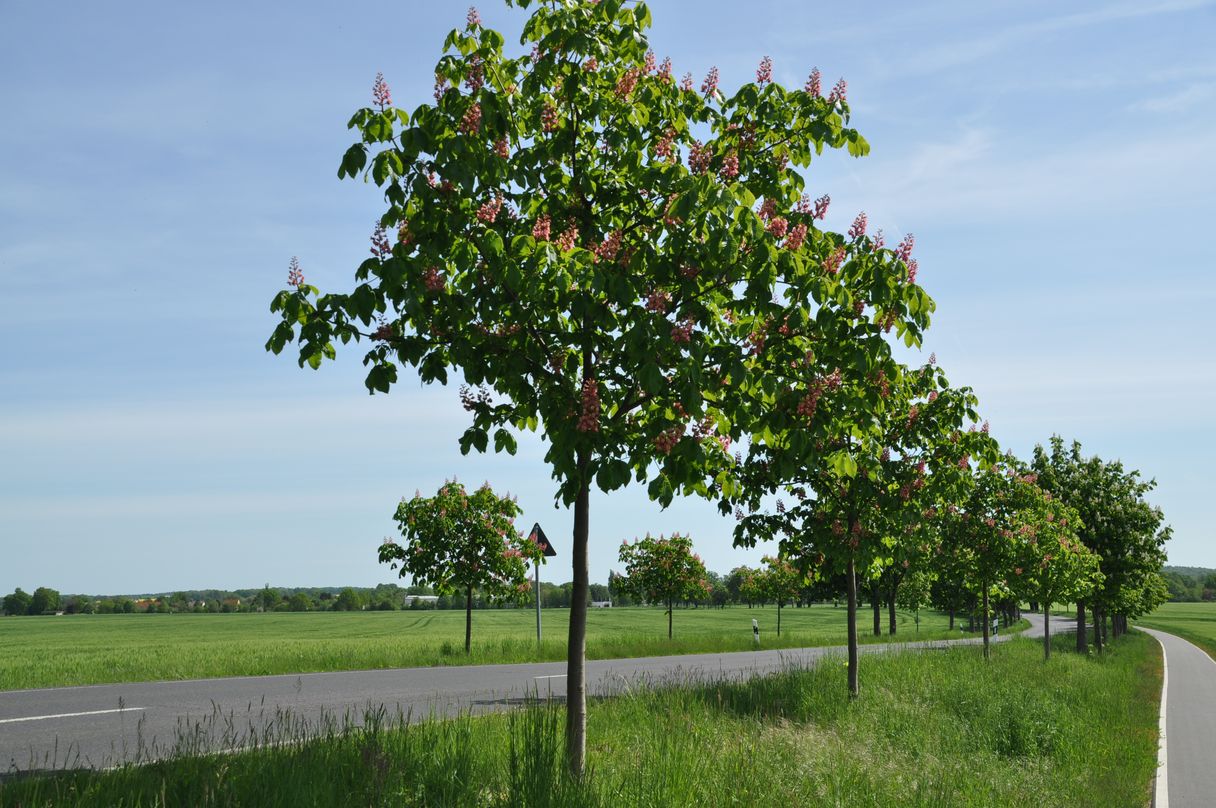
{"x": 420, "y": 599}
{"x": 601, "y": 604}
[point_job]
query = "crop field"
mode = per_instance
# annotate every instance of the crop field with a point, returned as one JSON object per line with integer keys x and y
{"x": 1193, "y": 621}
{"x": 929, "y": 729}
{"x": 94, "y": 649}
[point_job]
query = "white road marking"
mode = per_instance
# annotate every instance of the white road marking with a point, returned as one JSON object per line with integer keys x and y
{"x": 554, "y": 676}
{"x": 68, "y": 715}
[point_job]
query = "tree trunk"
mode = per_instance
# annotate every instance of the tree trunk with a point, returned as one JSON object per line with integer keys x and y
{"x": 576, "y": 652}
{"x": 987, "y": 625}
{"x": 1046, "y": 630}
{"x": 1082, "y": 638}
{"x": 876, "y": 606}
{"x": 854, "y": 687}
{"x": 1099, "y": 618}
{"x": 891, "y": 611}
{"x": 952, "y": 619}
{"x": 468, "y": 620}
{"x": 670, "y": 609}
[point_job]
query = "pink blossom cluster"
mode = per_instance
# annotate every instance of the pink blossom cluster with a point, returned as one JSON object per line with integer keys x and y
{"x": 591, "y": 65}
{"x": 628, "y": 82}
{"x": 797, "y": 237}
{"x": 665, "y": 69}
{"x": 609, "y": 247}
{"x": 383, "y": 333}
{"x": 780, "y": 506}
{"x": 433, "y": 279}
{"x": 724, "y": 442}
{"x": 441, "y": 85}
{"x": 878, "y": 241}
{"x": 984, "y": 428}
{"x": 404, "y": 236}
{"x": 489, "y": 209}
{"x": 380, "y": 92}
{"x": 883, "y": 383}
{"x": 650, "y": 64}
{"x": 589, "y": 418}
{"x": 540, "y": 230}
{"x": 913, "y": 267}
{"x": 476, "y": 77}
{"x": 834, "y": 261}
{"x": 964, "y": 461}
{"x": 471, "y": 400}
{"x": 568, "y": 238}
{"x": 687, "y": 83}
{"x": 658, "y": 302}
{"x": 779, "y": 226}
{"x": 913, "y": 414}
{"x": 814, "y": 84}
{"x": 859, "y": 226}
{"x": 295, "y": 276}
{"x": 821, "y": 206}
{"x": 699, "y": 157}
{"x": 886, "y": 454}
{"x": 838, "y": 92}
{"x": 665, "y": 148}
{"x": 471, "y": 121}
{"x": 681, "y": 332}
{"x": 730, "y": 167}
{"x": 904, "y": 251}
{"x": 768, "y": 209}
{"x": 764, "y": 73}
{"x": 710, "y": 85}
{"x": 668, "y": 438}
{"x": 548, "y": 118}
{"x": 380, "y": 246}
{"x": 474, "y": 17}
{"x": 501, "y": 148}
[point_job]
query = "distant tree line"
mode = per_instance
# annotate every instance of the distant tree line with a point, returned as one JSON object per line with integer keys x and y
{"x": 1190, "y": 584}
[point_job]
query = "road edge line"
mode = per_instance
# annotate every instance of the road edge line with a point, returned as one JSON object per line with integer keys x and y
{"x": 1161, "y": 792}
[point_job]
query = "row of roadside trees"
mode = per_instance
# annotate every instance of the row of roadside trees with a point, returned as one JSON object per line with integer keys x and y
{"x": 630, "y": 264}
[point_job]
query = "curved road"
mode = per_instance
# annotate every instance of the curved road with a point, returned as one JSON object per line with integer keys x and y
{"x": 105, "y": 725}
{"x": 1189, "y": 736}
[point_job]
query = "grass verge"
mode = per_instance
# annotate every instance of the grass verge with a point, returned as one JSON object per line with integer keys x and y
{"x": 937, "y": 728}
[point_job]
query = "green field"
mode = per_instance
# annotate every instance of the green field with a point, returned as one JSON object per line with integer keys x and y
{"x": 930, "y": 729}
{"x": 93, "y": 649}
{"x": 1193, "y": 621}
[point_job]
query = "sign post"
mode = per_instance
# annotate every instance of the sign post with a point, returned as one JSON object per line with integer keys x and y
{"x": 542, "y": 541}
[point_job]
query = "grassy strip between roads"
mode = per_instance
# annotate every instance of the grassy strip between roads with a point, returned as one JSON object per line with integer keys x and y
{"x": 97, "y": 649}
{"x": 1191, "y": 621}
{"x": 940, "y": 728}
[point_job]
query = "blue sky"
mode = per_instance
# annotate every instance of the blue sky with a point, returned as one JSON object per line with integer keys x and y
{"x": 161, "y": 162}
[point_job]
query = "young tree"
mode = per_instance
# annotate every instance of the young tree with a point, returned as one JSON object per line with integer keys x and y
{"x": 875, "y": 428}
{"x": 751, "y": 586}
{"x": 580, "y": 235}
{"x": 781, "y": 581}
{"x": 1052, "y": 565}
{"x": 458, "y": 542}
{"x": 664, "y": 570}
{"x": 1118, "y": 524}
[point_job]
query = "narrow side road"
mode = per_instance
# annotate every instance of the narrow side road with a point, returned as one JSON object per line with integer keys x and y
{"x": 105, "y": 725}
{"x": 1190, "y": 725}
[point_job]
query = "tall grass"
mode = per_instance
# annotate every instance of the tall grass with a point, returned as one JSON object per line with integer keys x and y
{"x": 938, "y": 728}
{"x": 94, "y": 649}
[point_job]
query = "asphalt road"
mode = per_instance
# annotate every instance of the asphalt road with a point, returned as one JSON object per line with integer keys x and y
{"x": 1190, "y": 723}
{"x": 106, "y": 725}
